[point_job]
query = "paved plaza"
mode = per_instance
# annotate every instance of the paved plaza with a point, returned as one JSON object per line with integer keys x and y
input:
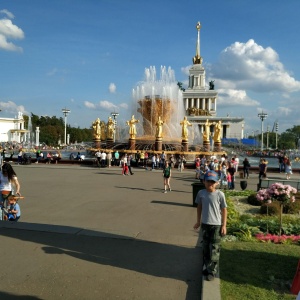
{"x": 90, "y": 233}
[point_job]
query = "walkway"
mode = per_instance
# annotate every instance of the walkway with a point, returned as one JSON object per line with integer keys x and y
{"x": 89, "y": 233}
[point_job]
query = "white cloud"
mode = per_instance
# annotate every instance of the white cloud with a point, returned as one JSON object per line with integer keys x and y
{"x": 229, "y": 97}
{"x": 9, "y": 31}
{"x": 123, "y": 105}
{"x": 7, "y": 13}
{"x": 52, "y": 72}
{"x": 185, "y": 70}
{"x": 12, "y": 107}
{"x": 112, "y": 88}
{"x": 105, "y": 106}
{"x": 89, "y": 105}
{"x": 283, "y": 111}
{"x": 249, "y": 66}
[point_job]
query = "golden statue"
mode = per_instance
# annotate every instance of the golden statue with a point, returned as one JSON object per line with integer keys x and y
{"x": 110, "y": 130}
{"x": 217, "y": 135}
{"x": 132, "y": 128}
{"x": 185, "y": 123}
{"x": 103, "y": 130}
{"x": 159, "y": 125}
{"x": 206, "y": 132}
{"x": 96, "y": 129}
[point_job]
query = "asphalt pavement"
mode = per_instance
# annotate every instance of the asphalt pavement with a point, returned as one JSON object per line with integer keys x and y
{"x": 90, "y": 233}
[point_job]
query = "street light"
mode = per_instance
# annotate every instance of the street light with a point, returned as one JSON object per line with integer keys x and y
{"x": 262, "y": 116}
{"x": 268, "y": 131}
{"x": 65, "y": 111}
{"x": 115, "y": 115}
{"x": 276, "y": 129}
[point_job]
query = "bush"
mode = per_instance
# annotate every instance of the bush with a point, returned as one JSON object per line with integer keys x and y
{"x": 292, "y": 208}
{"x": 253, "y": 201}
{"x": 272, "y": 208}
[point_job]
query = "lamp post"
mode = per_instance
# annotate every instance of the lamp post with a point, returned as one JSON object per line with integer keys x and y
{"x": 276, "y": 129}
{"x": 262, "y": 116}
{"x": 268, "y": 131}
{"x": 115, "y": 115}
{"x": 65, "y": 112}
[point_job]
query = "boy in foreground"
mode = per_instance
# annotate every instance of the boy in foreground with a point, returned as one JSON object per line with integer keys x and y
{"x": 212, "y": 215}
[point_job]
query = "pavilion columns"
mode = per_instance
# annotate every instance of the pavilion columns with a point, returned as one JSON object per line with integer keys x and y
{"x": 37, "y": 136}
{"x": 203, "y": 104}
{"x": 186, "y": 103}
{"x": 209, "y": 104}
{"x": 192, "y": 102}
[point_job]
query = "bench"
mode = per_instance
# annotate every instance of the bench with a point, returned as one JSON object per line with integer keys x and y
{"x": 265, "y": 183}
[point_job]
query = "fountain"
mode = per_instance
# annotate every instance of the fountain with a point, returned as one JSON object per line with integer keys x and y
{"x": 29, "y": 135}
{"x": 158, "y": 101}
{"x": 154, "y": 98}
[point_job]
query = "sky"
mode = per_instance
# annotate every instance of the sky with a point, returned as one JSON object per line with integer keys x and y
{"x": 88, "y": 55}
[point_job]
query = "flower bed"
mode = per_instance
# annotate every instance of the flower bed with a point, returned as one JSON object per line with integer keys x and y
{"x": 276, "y": 239}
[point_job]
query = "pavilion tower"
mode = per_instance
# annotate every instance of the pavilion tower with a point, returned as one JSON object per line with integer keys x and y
{"x": 200, "y": 102}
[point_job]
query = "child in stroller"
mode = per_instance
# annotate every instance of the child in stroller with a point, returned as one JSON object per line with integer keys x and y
{"x": 26, "y": 159}
{"x": 13, "y": 211}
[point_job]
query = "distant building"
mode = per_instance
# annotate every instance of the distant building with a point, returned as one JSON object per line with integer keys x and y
{"x": 12, "y": 129}
{"x": 200, "y": 101}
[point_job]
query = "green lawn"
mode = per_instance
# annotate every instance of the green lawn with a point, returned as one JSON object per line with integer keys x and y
{"x": 252, "y": 270}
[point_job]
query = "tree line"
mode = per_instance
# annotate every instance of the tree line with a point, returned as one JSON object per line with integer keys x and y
{"x": 52, "y": 130}
{"x": 286, "y": 140}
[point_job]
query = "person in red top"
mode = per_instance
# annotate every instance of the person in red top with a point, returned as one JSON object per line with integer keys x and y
{"x": 229, "y": 181}
{"x": 197, "y": 165}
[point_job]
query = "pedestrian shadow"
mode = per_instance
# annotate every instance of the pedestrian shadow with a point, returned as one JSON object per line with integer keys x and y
{"x": 10, "y": 296}
{"x": 171, "y": 203}
{"x": 108, "y": 173}
{"x": 154, "y": 259}
{"x": 132, "y": 188}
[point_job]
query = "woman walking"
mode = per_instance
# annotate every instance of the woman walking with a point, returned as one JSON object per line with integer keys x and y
{"x": 246, "y": 166}
{"x": 167, "y": 177}
{"x": 288, "y": 169}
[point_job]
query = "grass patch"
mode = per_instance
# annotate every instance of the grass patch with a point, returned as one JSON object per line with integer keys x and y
{"x": 254, "y": 271}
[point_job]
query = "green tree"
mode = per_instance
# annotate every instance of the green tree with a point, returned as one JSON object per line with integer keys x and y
{"x": 52, "y": 130}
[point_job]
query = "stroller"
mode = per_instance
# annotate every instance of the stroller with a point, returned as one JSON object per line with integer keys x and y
{"x": 6, "y": 214}
{"x": 26, "y": 159}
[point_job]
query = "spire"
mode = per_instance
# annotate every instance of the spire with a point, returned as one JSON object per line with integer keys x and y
{"x": 197, "y": 59}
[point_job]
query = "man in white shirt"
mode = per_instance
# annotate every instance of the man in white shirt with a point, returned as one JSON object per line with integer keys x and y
{"x": 103, "y": 159}
{"x": 98, "y": 156}
{"x": 236, "y": 164}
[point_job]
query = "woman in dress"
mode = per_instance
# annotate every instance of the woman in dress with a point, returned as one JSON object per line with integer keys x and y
{"x": 9, "y": 183}
{"x": 288, "y": 169}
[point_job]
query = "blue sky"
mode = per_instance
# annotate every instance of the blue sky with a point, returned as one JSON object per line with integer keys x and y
{"x": 88, "y": 55}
